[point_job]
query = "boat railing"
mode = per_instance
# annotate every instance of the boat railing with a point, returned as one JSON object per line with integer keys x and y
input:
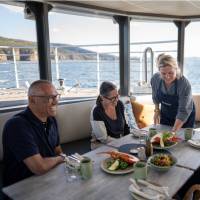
{"x": 146, "y": 51}
{"x": 101, "y": 59}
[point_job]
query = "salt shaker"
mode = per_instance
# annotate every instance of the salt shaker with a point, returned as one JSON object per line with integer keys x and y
{"x": 141, "y": 153}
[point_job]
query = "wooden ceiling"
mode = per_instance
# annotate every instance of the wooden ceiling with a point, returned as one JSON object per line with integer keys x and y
{"x": 182, "y": 9}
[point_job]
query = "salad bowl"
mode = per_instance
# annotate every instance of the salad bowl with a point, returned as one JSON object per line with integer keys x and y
{"x": 162, "y": 162}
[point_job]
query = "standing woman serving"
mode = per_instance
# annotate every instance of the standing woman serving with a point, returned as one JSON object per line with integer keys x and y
{"x": 172, "y": 95}
{"x": 107, "y": 117}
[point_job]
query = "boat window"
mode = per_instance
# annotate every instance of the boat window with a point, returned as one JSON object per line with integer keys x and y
{"x": 149, "y": 39}
{"x": 84, "y": 52}
{"x": 18, "y": 55}
{"x": 192, "y": 55}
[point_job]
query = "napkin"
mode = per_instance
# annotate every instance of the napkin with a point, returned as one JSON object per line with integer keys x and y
{"x": 157, "y": 192}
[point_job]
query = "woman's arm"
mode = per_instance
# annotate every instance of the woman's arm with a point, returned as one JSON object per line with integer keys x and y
{"x": 185, "y": 101}
{"x": 155, "y": 81}
{"x": 156, "y": 117}
{"x": 177, "y": 125}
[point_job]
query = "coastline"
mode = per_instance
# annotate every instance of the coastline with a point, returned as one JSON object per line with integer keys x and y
{"x": 14, "y": 94}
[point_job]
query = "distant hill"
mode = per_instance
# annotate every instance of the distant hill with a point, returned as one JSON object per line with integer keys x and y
{"x": 25, "y": 53}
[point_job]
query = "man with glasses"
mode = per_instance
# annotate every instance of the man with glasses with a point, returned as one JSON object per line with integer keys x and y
{"x": 30, "y": 138}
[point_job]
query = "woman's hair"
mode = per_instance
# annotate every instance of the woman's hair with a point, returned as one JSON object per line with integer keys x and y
{"x": 105, "y": 88}
{"x": 164, "y": 60}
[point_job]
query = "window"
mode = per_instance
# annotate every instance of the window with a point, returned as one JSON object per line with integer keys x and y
{"x": 192, "y": 55}
{"x": 160, "y": 37}
{"x": 18, "y": 55}
{"x": 84, "y": 52}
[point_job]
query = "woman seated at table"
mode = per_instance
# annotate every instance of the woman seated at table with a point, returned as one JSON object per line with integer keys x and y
{"x": 107, "y": 116}
{"x": 173, "y": 92}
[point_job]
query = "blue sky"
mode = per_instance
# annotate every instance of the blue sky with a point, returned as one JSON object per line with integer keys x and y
{"x": 71, "y": 29}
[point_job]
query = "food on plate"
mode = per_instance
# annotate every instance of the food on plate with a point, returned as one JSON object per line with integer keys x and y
{"x": 116, "y": 164}
{"x": 164, "y": 139}
{"x": 130, "y": 159}
{"x": 162, "y": 160}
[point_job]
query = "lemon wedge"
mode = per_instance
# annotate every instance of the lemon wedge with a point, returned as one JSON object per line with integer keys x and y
{"x": 114, "y": 166}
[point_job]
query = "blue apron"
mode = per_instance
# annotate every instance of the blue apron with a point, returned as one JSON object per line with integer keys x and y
{"x": 169, "y": 108}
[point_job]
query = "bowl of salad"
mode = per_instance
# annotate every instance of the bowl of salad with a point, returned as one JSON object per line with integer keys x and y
{"x": 162, "y": 162}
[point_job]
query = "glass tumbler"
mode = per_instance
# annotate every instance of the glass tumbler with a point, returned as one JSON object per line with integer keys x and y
{"x": 72, "y": 171}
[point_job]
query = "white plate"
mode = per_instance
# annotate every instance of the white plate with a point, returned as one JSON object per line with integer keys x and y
{"x": 138, "y": 133}
{"x": 119, "y": 171}
{"x": 194, "y": 143}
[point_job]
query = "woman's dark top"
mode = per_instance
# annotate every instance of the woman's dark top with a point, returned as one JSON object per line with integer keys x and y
{"x": 115, "y": 128}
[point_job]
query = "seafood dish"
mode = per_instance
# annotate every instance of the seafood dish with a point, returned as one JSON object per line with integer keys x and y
{"x": 165, "y": 139}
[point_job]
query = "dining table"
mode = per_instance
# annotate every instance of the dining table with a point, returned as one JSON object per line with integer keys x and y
{"x": 54, "y": 186}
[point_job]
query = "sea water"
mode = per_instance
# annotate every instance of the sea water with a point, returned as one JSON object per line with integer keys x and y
{"x": 85, "y": 73}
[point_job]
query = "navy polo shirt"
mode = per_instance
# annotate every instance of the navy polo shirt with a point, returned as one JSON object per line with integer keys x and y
{"x": 24, "y": 135}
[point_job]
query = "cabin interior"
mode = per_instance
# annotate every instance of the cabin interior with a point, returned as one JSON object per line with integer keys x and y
{"x": 74, "y": 113}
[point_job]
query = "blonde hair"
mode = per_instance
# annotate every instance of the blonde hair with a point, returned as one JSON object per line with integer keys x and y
{"x": 164, "y": 60}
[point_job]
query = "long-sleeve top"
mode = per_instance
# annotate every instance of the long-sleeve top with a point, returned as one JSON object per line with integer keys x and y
{"x": 103, "y": 125}
{"x": 184, "y": 92}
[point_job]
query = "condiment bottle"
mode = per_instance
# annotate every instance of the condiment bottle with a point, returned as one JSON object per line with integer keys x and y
{"x": 149, "y": 147}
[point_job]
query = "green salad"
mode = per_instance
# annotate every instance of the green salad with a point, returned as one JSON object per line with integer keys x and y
{"x": 162, "y": 160}
{"x": 116, "y": 164}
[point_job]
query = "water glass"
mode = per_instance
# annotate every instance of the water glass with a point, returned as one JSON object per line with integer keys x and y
{"x": 142, "y": 139}
{"x": 152, "y": 132}
{"x": 140, "y": 170}
{"x": 72, "y": 172}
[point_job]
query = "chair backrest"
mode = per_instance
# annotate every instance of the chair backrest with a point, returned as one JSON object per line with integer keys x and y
{"x": 193, "y": 193}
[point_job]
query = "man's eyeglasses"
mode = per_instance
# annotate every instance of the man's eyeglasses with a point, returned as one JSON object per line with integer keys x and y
{"x": 50, "y": 98}
{"x": 112, "y": 98}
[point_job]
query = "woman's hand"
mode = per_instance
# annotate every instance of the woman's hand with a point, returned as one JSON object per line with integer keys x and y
{"x": 177, "y": 125}
{"x": 156, "y": 117}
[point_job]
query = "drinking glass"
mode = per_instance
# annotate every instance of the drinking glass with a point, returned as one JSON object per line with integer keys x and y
{"x": 72, "y": 171}
{"x": 86, "y": 168}
{"x": 188, "y": 133}
{"x": 142, "y": 139}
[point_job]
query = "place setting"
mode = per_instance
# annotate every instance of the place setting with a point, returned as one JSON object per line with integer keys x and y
{"x": 192, "y": 137}
{"x": 78, "y": 167}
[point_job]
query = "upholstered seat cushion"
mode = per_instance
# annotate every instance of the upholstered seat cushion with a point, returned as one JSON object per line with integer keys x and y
{"x": 143, "y": 113}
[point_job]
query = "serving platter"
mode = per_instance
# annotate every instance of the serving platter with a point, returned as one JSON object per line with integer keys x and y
{"x": 104, "y": 167}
